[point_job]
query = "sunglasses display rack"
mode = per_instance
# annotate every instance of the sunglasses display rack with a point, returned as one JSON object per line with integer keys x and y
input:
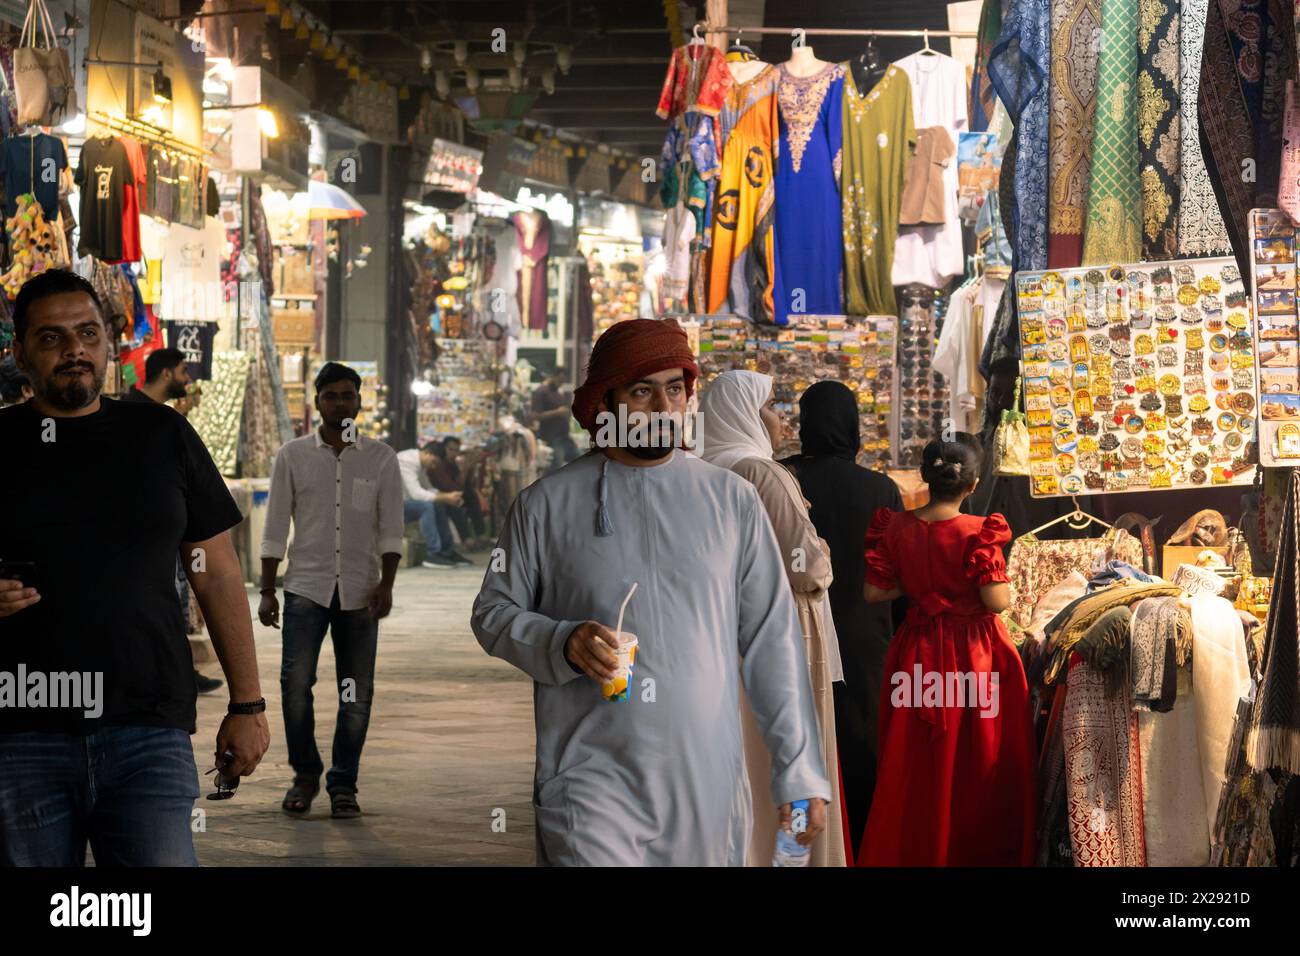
{"x": 462, "y": 401}
{"x": 1141, "y": 377}
{"x": 923, "y": 393}
{"x": 1274, "y": 261}
{"x": 859, "y": 352}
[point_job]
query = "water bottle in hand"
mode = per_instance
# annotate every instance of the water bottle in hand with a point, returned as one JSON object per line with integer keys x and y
{"x": 789, "y": 852}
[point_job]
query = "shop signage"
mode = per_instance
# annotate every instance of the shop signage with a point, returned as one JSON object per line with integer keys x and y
{"x": 505, "y": 164}
{"x": 195, "y": 340}
{"x": 453, "y": 167}
{"x": 171, "y": 103}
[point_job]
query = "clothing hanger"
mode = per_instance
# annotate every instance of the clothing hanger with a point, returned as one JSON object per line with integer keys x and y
{"x": 696, "y": 38}
{"x": 926, "y": 49}
{"x": 1076, "y": 520}
{"x": 738, "y": 46}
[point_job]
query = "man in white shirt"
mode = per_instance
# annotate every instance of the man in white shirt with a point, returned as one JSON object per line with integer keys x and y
{"x": 426, "y": 504}
{"x": 343, "y": 493}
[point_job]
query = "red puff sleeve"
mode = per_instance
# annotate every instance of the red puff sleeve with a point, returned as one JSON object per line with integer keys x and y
{"x": 985, "y": 562}
{"x": 879, "y": 557}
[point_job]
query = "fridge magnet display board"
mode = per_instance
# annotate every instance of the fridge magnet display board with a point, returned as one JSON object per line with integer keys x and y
{"x": 858, "y": 352}
{"x": 1138, "y": 377}
{"x": 1273, "y": 261}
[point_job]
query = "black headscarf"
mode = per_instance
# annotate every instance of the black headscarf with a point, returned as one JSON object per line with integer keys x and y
{"x": 828, "y": 421}
{"x": 844, "y": 497}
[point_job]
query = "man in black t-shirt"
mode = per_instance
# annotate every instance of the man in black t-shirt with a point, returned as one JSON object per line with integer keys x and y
{"x": 551, "y": 411}
{"x": 97, "y": 697}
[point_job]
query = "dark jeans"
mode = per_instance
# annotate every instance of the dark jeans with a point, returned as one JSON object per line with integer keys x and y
{"x": 467, "y": 515}
{"x": 565, "y": 451}
{"x": 355, "y": 635}
{"x": 129, "y": 791}
{"x": 435, "y": 527}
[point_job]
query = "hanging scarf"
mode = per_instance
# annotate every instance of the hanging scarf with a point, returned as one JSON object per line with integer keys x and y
{"x": 1153, "y": 645}
{"x": 1200, "y": 224}
{"x": 981, "y": 88}
{"x": 1113, "y": 229}
{"x": 1158, "y": 126}
{"x": 1018, "y": 70}
{"x": 1102, "y": 771}
{"x": 1250, "y": 53}
{"x": 1275, "y": 728}
{"x": 1076, "y": 33}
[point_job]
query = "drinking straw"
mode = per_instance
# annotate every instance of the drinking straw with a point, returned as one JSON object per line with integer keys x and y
{"x": 618, "y": 631}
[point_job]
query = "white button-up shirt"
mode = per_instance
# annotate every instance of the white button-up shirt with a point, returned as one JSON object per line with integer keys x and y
{"x": 346, "y": 511}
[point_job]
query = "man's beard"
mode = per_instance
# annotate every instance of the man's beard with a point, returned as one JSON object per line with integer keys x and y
{"x": 75, "y": 395}
{"x": 176, "y": 390}
{"x": 660, "y": 447}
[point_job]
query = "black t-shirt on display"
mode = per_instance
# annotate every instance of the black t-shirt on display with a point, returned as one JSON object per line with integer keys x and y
{"x": 102, "y": 510}
{"x": 102, "y": 173}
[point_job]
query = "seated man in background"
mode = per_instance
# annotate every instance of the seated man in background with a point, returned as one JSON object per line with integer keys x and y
{"x": 426, "y": 504}
{"x": 448, "y": 475}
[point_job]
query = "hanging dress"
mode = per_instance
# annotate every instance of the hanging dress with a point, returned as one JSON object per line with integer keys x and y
{"x": 809, "y": 257}
{"x": 956, "y": 785}
{"x": 534, "y": 232}
{"x": 741, "y": 260}
{"x": 879, "y": 136}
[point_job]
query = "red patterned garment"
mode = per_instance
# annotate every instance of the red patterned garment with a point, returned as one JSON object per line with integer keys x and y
{"x": 1103, "y": 771}
{"x": 697, "y": 80}
{"x": 956, "y": 784}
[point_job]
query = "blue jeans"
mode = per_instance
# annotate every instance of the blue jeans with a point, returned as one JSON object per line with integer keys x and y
{"x": 129, "y": 791}
{"x": 435, "y": 525}
{"x": 355, "y": 635}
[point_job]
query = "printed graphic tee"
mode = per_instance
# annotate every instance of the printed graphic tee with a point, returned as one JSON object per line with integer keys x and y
{"x": 103, "y": 174}
{"x": 32, "y": 164}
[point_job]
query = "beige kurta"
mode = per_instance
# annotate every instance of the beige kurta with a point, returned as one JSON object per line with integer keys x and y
{"x": 808, "y": 569}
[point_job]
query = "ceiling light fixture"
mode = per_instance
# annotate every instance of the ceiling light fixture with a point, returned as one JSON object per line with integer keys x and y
{"x": 267, "y": 123}
{"x": 442, "y": 84}
{"x": 564, "y": 59}
{"x": 472, "y": 79}
{"x": 426, "y": 59}
{"x": 162, "y": 86}
{"x": 460, "y": 51}
{"x": 521, "y": 53}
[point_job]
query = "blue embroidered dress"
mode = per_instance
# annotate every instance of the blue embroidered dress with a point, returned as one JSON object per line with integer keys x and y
{"x": 808, "y": 228}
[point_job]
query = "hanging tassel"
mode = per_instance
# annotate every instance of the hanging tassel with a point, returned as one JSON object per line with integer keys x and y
{"x": 604, "y": 528}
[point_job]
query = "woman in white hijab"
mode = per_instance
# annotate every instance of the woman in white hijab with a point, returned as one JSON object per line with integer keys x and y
{"x": 741, "y": 430}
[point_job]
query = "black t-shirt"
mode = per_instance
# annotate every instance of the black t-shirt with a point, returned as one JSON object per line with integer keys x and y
{"x": 102, "y": 510}
{"x": 102, "y": 173}
{"x": 544, "y": 399}
{"x": 134, "y": 394}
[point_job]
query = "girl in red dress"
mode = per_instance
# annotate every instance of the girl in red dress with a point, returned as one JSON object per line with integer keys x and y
{"x": 956, "y": 783}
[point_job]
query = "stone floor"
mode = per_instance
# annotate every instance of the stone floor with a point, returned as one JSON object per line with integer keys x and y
{"x": 450, "y": 750}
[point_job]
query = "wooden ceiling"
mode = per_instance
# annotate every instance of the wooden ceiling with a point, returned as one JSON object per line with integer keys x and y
{"x": 618, "y": 50}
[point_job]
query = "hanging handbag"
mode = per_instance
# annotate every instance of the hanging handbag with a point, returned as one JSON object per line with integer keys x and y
{"x": 1011, "y": 443}
{"x": 45, "y": 90}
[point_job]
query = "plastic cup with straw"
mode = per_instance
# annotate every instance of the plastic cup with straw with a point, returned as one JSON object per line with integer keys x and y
{"x": 616, "y": 690}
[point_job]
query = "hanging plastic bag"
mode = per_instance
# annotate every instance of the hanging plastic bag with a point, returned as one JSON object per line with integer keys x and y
{"x": 1011, "y": 443}
{"x": 44, "y": 88}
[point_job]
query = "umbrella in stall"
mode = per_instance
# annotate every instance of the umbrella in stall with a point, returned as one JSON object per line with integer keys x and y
{"x": 329, "y": 202}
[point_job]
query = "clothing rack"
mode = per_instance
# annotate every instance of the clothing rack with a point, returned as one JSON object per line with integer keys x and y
{"x": 833, "y": 32}
{"x": 144, "y": 131}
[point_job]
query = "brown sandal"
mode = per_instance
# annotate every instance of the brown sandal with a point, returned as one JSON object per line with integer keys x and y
{"x": 297, "y": 802}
